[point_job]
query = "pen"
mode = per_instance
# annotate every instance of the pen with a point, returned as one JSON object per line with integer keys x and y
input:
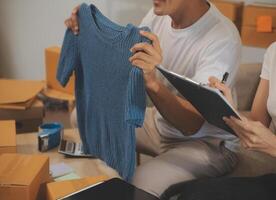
{"x": 225, "y": 77}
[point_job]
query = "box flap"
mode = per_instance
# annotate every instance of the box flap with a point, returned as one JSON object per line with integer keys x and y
{"x": 7, "y": 133}
{"x": 55, "y": 94}
{"x": 18, "y": 106}
{"x": 16, "y": 91}
{"x": 19, "y": 169}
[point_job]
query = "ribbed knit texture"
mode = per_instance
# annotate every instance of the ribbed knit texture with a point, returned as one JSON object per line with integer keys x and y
{"x": 110, "y": 93}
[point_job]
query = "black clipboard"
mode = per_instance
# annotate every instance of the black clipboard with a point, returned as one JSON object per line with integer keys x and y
{"x": 209, "y": 102}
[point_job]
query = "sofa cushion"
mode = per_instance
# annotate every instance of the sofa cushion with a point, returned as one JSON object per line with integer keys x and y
{"x": 246, "y": 84}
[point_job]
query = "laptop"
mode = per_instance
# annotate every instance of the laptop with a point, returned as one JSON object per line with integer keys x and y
{"x": 115, "y": 188}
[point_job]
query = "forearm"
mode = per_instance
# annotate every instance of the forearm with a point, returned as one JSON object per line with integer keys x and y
{"x": 259, "y": 110}
{"x": 263, "y": 117}
{"x": 254, "y": 115}
{"x": 177, "y": 111}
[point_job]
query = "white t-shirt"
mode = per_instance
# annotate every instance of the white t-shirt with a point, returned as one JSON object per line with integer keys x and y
{"x": 209, "y": 47}
{"x": 269, "y": 73}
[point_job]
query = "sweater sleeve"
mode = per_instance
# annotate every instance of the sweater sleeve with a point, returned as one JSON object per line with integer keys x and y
{"x": 136, "y": 98}
{"x": 69, "y": 58}
{"x": 136, "y": 94}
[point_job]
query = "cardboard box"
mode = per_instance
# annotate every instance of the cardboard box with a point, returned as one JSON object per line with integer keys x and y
{"x": 230, "y": 9}
{"x": 34, "y": 112}
{"x": 19, "y": 106}
{"x": 28, "y": 125}
{"x": 23, "y": 177}
{"x": 19, "y": 91}
{"x": 60, "y": 189}
{"x": 26, "y": 120}
{"x": 51, "y": 62}
{"x": 7, "y": 137}
{"x": 55, "y": 94}
{"x": 259, "y": 25}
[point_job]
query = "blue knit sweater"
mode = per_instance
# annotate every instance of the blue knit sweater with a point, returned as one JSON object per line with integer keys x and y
{"x": 110, "y": 93}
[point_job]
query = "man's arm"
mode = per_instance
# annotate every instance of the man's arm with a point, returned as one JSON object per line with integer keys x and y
{"x": 179, "y": 112}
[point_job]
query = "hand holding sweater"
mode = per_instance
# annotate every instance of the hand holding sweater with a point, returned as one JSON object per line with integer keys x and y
{"x": 147, "y": 57}
{"x": 72, "y": 22}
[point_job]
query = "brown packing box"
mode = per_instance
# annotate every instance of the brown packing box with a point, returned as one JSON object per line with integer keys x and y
{"x": 7, "y": 137}
{"x": 230, "y": 9}
{"x": 51, "y": 93}
{"x": 23, "y": 177}
{"x": 28, "y": 125}
{"x": 19, "y": 91}
{"x": 56, "y": 190}
{"x": 26, "y": 120}
{"x": 19, "y": 106}
{"x": 34, "y": 112}
{"x": 251, "y": 15}
{"x": 51, "y": 62}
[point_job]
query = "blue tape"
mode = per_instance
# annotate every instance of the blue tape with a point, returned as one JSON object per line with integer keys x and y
{"x": 49, "y": 136}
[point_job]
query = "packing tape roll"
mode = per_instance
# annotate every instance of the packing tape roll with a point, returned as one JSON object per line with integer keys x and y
{"x": 49, "y": 135}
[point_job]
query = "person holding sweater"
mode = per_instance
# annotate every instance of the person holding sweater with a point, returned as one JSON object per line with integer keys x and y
{"x": 256, "y": 133}
{"x": 191, "y": 38}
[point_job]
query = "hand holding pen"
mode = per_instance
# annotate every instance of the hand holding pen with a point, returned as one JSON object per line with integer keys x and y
{"x": 225, "y": 90}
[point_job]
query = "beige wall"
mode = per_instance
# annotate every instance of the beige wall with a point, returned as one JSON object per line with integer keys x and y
{"x": 28, "y": 26}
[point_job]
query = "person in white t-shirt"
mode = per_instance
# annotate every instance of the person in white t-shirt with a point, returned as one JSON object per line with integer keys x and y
{"x": 256, "y": 133}
{"x": 191, "y": 38}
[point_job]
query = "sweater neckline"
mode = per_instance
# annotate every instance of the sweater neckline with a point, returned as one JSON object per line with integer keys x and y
{"x": 96, "y": 17}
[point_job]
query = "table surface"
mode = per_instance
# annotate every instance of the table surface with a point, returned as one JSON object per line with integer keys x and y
{"x": 27, "y": 143}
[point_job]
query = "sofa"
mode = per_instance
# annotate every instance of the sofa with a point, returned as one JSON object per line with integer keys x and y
{"x": 250, "y": 163}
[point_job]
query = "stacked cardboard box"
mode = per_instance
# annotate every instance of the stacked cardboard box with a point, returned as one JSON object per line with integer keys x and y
{"x": 18, "y": 101}
{"x": 27, "y": 120}
{"x": 259, "y": 25}
{"x": 23, "y": 177}
{"x": 231, "y": 9}
{"x": 7, "y": 137}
